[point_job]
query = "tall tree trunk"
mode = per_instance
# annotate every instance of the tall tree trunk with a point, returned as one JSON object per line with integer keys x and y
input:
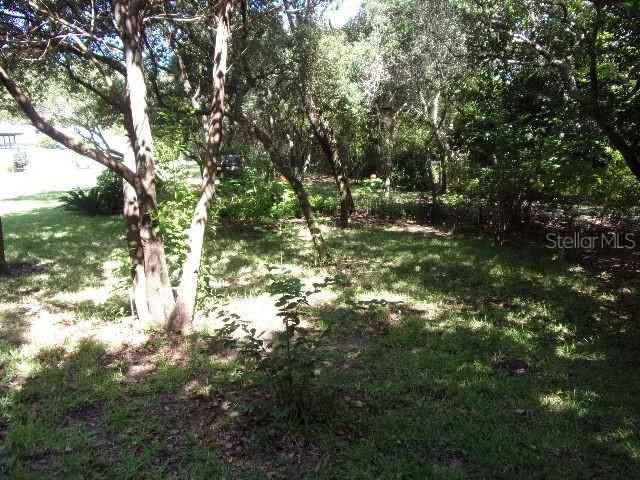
{"x": 159, "y": 292}
{"x": 443, "y": 153}
{"x": 4, "y": 268}
{"x": 443, "y": 174}
{"x": 432, "y": 182}
{"x": 134, "y": 242}
{"x": 388, "y": 159}
{"x": 184, "y": 310}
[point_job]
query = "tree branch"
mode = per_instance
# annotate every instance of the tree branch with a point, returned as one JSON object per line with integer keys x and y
{"x": 112, "y": 163}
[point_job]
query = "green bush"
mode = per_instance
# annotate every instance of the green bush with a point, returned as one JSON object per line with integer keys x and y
{"x": 106, "y": 198}
{"x": 615, "y": 191}
{"x": 47, "y": 142}
{"x": 177, "y": 202}
{"x": 20, "y": 161}
{"x": 371, "y": 200}
{"x": 256, "y": 196}
{"x": 290, "y": 360}
{"x": 322, "y": 205}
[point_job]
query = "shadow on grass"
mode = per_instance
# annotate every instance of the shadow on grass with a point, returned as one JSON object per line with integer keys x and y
{"x": 45, "y": 196}
{"x": 400, "y": 395}
{"x": 522, "y": 367}
{"x": 70, "y": 249}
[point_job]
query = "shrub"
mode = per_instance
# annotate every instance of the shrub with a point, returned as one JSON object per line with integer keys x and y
{"x": 106, "y": 198}
{"x": 47, "y": 142}
{"x": 325, "y": 205}
{"x": 290, "y": 361}
{"x": 20, "y": 161}
{"x": 256, "y": 196}
{"x": 175, "y": 211}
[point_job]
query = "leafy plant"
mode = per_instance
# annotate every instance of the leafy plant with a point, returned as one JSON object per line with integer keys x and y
{"x": 47, "y": 142}
{"x": 106, "y": 198}
{"x": 20, "y": 161}
{"x": 256, "y": 195}
{"x": 175, "y": 211}
{"x": 290, "y": 360}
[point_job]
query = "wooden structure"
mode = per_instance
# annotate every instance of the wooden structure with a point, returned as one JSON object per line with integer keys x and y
{"x": 8, "y": 140}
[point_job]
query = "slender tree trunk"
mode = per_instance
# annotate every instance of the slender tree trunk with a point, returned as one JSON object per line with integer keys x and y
{"x": 306, "y": 162}
{"x": 183, "y": 312}
{"x": 347, "y": 205}
{"x": 432, "y": 181}
{"x": 387, "y": 140}
{"x": 285, "y": 171}
{"x": 388, "y": 168}
{"x": 4, "y": 268}
{"x": 443, "y": 174}
{"x": 330, "y": 150}
{"x": 134, "y": 242}
{"x": 443, "y": 151}
{"x": 159, "y": 292}
{"x": 305, "y": 205}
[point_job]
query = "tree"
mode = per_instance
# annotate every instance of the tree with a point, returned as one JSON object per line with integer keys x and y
{"x": 4, "y": 268}
{"x": 185, "y": 304}
{"x": 590, "y": 50}
{"x": 79, "y": 34}
{"x": 303, "y": 26}
{"x": 190, "y": 43}
{"x": 414, "y": 67}
{"x": 264, "y": 84}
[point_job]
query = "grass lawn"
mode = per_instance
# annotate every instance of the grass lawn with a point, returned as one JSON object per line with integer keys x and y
{"x": 494, "y": 362}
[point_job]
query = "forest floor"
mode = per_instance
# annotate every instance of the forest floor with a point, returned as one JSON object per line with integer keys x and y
{"x": 486, "y": 362}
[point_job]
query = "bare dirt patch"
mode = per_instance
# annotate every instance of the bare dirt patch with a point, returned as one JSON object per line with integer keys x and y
{"x": 19, "y": 269}
{"x": 455, "y": 460}
{"x": 510, "y": 364}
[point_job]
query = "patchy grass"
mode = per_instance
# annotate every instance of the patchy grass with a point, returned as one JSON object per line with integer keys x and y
{"x": 492, "y": 362}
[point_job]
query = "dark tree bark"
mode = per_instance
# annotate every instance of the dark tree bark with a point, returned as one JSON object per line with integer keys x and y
{"x": 183, "y": 312}
{"x": 4, "y": 268}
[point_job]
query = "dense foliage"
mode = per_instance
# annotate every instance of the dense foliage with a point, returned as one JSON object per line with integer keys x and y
{"x": 105, "y": 198}
{"x": 509, "y": 108}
